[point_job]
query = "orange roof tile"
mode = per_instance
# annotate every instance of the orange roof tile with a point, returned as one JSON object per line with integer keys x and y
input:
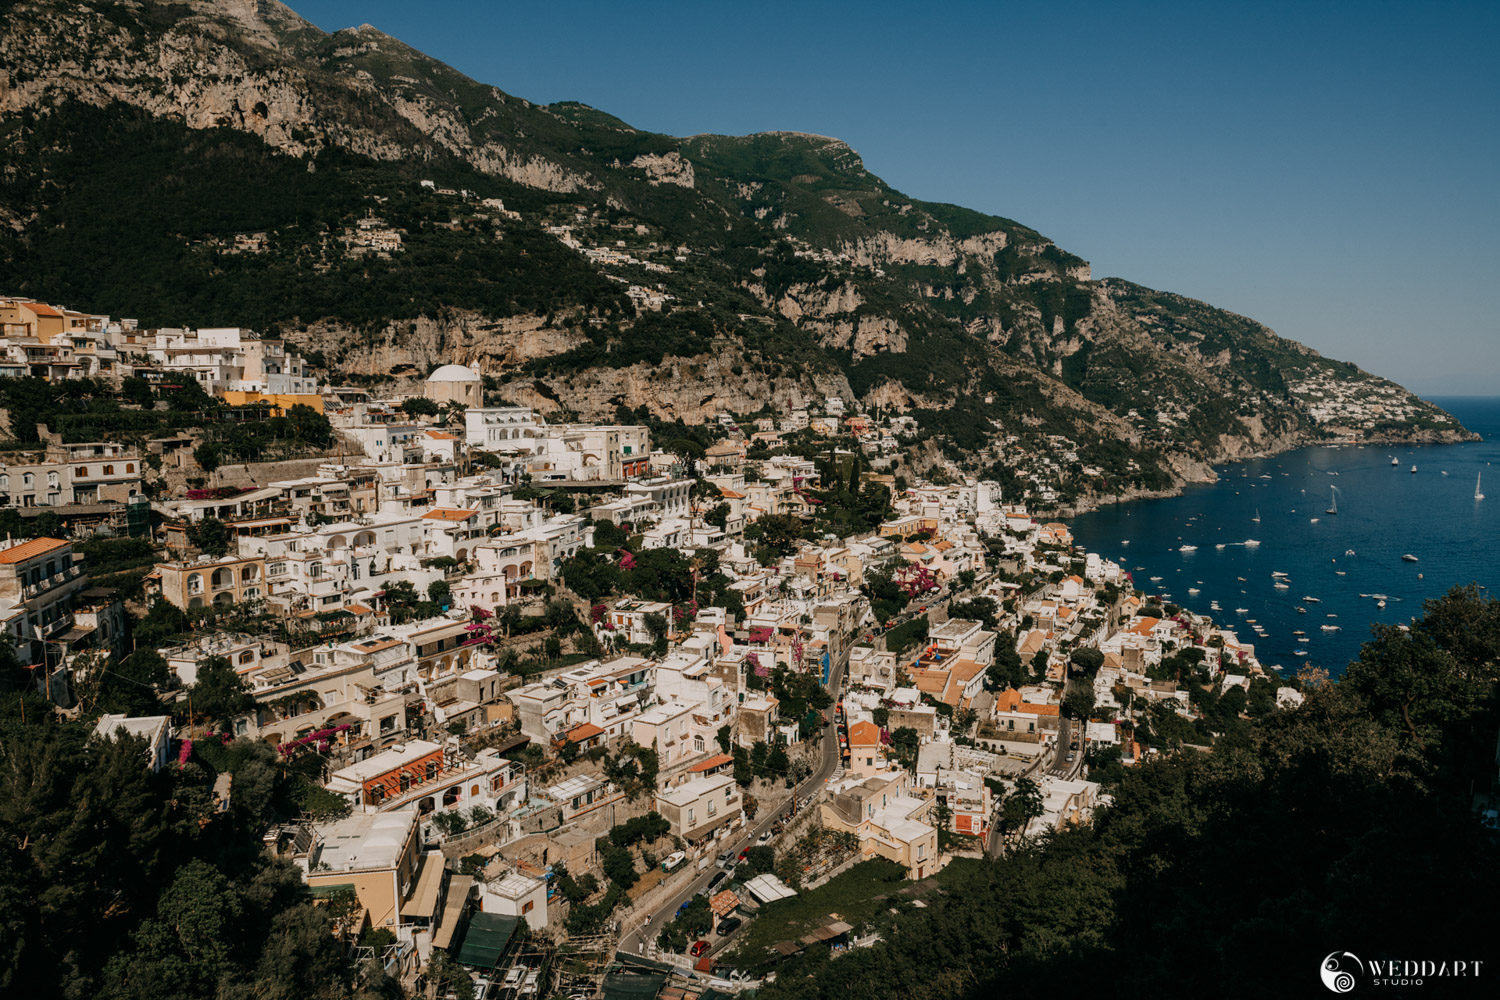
{"x": 731, "y": 494}
{"x": 717, "y": 760}
{"x": 442, "y": 436}
{"x": 581, "y": 732}
{"x": 864, "y": 734}
{"x": 42, "y": 309}
{"x": 358, "y": 609}
{"x": 1030, "y": 708}
{"x": 448, "y": 514}
{"x": 31, "y": 549}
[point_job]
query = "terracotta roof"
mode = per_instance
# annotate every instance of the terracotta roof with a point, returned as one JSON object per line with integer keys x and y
{"x": 42, "y": 309}
{"x": 358, "y": 609}
{"x": 717, "y": 760}
{"x": 31, "y": 549}
{"x": 448, "y": 514}
{"x": 731, "y": 494}
{"x": 864, "y": 734}
{"x": 442, "y": 436}
{"x": 1030, "y": 708}
{"x": 581, "y": 732}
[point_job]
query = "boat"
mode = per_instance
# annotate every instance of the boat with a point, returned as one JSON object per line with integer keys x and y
{"x": 1408, "y": 558}
{"x": 1313, "y": 600}
{"x": 1241, "y": 611}
{"x": 1393, "y": 460}
{"x": 1277, "y": 572}
{"x": 1380, "y": 604}
{"x": 1299, "y": 652}
{"x": 1188, "y": 548}
{"x": 1256, "y": 518}
{"x": 1219, "y": 546}
{"x": 1251, "y": 543}
{"x": 1240, "y": 578}
{"x": 1124, "y": 541}
{"x": 1194, "y": 590}
{"x": 1156, "y": 579}
{"x": 1301, "y": 611}
{"x": 1338, "y": 572}
{"x": 1282, "y": 586}
{"x": 1348, "y": 552}
{"x": 1333, "y": 508}
{"x": 1313, "y": 521}
{"x": 1299, "y": 632}
{"x": 1478, "y": 495}
{"x": 1304, "y": 639}
{"x": 1414, "y": 469}
{"x": 1329, "y": 628}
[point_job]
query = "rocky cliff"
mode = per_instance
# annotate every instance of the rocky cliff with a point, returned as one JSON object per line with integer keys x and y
{"x": 587, "y": 265}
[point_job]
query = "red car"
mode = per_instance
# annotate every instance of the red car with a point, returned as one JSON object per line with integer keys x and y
{"x": 744, "y": 854}
{"x": 699, "y": 948}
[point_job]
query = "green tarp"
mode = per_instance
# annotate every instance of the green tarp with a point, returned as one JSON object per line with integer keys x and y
{"x": 488, "y": 936}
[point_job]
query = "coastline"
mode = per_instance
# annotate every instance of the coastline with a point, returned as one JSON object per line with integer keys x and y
{"x": 1093, "y": 503}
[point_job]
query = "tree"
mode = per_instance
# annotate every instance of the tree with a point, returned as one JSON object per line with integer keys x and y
{"x": 1078, "y": 702}
{"x": 210, "y": 536}
{"x": 419, "y": 406}
{"x": 760, "y": 860}
{"x": 1087, "y": 659}
{"x": 438, "y": 592}
{"x": 208, "y": 456}
{"x": 905, "y": 742}
{"x": 1022, "y": 805}
{"x": 219, "y": 694}
{"x": 619, "y": 866}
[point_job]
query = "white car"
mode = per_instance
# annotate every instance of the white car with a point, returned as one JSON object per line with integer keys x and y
{"x": 765, "y": 838}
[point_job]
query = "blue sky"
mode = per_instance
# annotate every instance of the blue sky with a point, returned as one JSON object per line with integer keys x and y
{"x": 1329, "y": 169}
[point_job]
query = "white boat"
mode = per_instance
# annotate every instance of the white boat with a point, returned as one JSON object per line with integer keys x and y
{"x": 1256, "y": 518}
{"x": 1219, "y": 546}
{"x": 1393, "y": 460}
{"x": 1414, "y": 469}
{"x": 1299, "y": 652}
{"x": 1241, "y": 611}
{"x": 1478, "y": 495}
{"x": 1188, "y": 548}
{"x": 1313, "y": 521}
{"x": 1156, "y": 579}
{"x": 1338, "y": 572}
{"x": 1313, "y": 600}
{"x": 1194, "y": 590}
{"x": 1277, "y": 572}
{"x": 1125, "y": 541}
{"x": 1333, "y": 508}
{"x": 1348, "y": 552}
{"x": 1380, "y": 604}
{"x": 1299, "y": 632}
{"x": 1304, "y": 639}
{"x": 1408, "y": 558}
{"x": 1281, "y": 586}
{"x": 1301, "y": 611}
{"x": 1251, "y": 543}
{"x": 1330, "y": 628}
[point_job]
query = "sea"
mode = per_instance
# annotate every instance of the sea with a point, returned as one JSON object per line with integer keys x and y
{"x": 1337, "y": 567}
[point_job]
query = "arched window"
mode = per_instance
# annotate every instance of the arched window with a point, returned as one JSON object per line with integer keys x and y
{"x": 129, "y": 466}
{"x": 28, "y": 480}
{"x": 109, "y": 470}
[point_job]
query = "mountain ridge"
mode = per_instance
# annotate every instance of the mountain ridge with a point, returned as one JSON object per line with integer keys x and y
{"x": 762, "y": 270}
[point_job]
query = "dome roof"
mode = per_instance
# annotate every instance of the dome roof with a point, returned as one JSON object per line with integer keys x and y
{"x": 454, "y": 373}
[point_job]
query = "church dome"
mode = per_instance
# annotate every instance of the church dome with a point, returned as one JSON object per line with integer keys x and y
{"x": 454, "y": 373}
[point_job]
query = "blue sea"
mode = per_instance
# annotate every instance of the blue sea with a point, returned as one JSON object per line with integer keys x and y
{"x": 1385, "y": 511}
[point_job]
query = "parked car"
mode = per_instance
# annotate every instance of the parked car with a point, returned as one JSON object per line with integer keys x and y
{"x": 718, "y": 880}
{"x": 1072, "y": 756}
{"x": 764, "y": 838}
{"x": 729, "y": 925}
{"x": 698, "y": 948}
{"x": 726, "y": 857}
{"x": 745, "y": 854}
{"x": 530, "y": 985}
{"x": 513, "y": 977}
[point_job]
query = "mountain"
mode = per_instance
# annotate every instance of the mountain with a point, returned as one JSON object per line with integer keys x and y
{"x": 228, "y": 163}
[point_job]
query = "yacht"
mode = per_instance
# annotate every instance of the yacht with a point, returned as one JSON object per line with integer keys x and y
{"x": 1281, "y": 586}
{"x": 1304, "y": 639}
{"x": 1194, "y": 590}
{"x": 1278, "y": 573}
{"x": 1251, "y": 543}
{"x": 1299, "y": 632}
{"x": 1313, "y": 600}
{"x": 1299, "y": 652}
{"x": 1338, "y": 572}
{"x": 1156, "y": 579}
{"x": 1408, "y": 558}
{"x": 1330, "y": 628}
{"x": 1301, "y": 611}
{"x": 1380, "y": 604}
{"x": 1241, "y": 611}
{"x": 1188, "y": 548}
{"x": 1219, "y": 546}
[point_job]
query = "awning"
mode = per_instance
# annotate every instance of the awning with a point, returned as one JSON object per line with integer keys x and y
{"x": 423, "y": 902}
{"x": 488, "y": 936}
{"x": 453, "y": 910}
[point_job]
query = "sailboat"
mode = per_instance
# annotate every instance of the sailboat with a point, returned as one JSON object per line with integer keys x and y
{"x": 1394, "y": 461}
{"x": 1478, "y": 495}
{"x": 1334, "y": 509}
{"x": 1413, "y": 469}
{"x": 1256, "y": 518}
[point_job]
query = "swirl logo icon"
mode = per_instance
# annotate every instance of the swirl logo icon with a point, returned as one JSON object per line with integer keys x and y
{"x": 1338, "y": 971}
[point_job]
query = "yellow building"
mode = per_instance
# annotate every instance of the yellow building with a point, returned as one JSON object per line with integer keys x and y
{"x": 280, "y": 401}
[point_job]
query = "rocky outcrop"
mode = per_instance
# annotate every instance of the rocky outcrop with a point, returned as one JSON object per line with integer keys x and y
{"x": 670, "y": 168}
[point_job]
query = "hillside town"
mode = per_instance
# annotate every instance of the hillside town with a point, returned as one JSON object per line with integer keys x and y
{"x": 570, "y": 708}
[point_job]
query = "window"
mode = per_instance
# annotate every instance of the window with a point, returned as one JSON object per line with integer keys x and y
{"x": 691, "y": 816}
{"x": 247, "y": 656}
{"x": 130, "y": 467}
{"x": 109, "y": 470}
{"x": 52, "y": 479}
{"x": 28, "y": 480}
{"x": 526, "y": 907}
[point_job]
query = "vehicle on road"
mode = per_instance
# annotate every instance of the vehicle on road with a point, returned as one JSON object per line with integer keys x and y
{"x": 1072, "y": 756}
{"x": 699, "y": 948}
{"x": 684, "y": 908}
{"x": 726, "y": 857}
{"x": 718, "y": 880}
{"x": 764, "y": 838}
{"x": 729, "y": 925}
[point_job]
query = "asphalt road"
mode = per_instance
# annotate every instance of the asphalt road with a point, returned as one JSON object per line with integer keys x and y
{"x": 805, "y": 792}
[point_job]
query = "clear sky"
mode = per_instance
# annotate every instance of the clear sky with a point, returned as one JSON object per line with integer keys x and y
{"x": 1329, "y": 169}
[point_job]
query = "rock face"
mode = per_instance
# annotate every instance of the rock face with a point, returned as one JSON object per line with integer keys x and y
{"x": 589, "y": 265}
